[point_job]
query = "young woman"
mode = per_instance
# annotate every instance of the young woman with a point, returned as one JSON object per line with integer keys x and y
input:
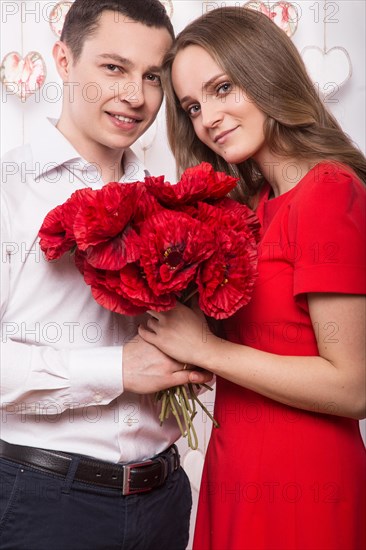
{"x": 286, "y": 468}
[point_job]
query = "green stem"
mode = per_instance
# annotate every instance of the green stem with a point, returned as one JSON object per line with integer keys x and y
{"x": 181, "y": 401}
{"x": 174, "y": 404}
{"x": 190, "y": 295}
{"x": 186, "y": 400}
{"x": 195, "y": 398}
{"x": 164, "y": 407}
{"x": 188, "y": 420}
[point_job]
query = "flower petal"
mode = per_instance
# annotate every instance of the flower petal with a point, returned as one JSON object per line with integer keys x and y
{"x": 197, "y": 183}
{"x": 225, "y": 280}
{"x": 106, "y": 214}
{"x": 172, "y": 247}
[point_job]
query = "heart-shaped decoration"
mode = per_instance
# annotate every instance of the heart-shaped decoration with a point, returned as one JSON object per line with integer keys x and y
{"x": 328, "y": 69}
{"x": 284, "y": 14}
{"x": 57, "y": 17}
{"x": 23, "y": 76}
{"x": 193, "y": 465}
{"x": 168, "y": 5}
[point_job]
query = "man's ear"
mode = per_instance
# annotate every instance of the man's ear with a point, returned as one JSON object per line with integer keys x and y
{"x": 63, "y": 59}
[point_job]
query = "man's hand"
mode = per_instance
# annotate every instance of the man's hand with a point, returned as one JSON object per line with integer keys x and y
{"x": 146, "y": 369}
{"x": 181, "y": 333}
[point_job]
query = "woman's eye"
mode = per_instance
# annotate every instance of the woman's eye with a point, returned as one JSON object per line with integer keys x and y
{"x": 224, "y": 88}
{"x": 193, "y": 110}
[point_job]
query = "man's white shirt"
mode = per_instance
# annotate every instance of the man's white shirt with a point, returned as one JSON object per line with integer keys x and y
{"x": 61, "y": 352}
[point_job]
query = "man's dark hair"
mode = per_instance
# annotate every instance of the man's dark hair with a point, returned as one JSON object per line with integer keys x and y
{"x": 83, "y": 18}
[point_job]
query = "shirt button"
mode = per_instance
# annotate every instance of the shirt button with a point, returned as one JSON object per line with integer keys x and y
{"x": 98, "y": 397}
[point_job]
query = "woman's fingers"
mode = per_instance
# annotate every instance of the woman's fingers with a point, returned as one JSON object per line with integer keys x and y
{"x": 146, "y": 334}
{"x": 152, "y": 324}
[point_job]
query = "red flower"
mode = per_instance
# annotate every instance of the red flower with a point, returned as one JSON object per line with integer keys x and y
{"x": 239, "y": 217}
{"x": 172, "y": 248}
{"x": 134, "y": 286}
{"x": 105, "y": 288}
{"x": 56, "y": 234}
{"x": 100, "y": 225}
{"x": 115, "y": 253}
{"x": 146, "y": 207}
{"x": 196, "y": 184}
{"x": 204, "y": 183}
{"x": 225, "y": 280}
{"x": 137, "y": 254}
{"x": 124, "y": 291}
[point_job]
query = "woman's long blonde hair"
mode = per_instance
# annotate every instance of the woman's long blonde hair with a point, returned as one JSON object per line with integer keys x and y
{"x": 259, "y": 58}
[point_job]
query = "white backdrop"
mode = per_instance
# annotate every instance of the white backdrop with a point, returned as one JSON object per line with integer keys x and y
{"x": 338, "y": 27}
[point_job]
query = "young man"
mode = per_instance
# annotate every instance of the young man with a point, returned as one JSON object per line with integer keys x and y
{"x": 77, "y": 404}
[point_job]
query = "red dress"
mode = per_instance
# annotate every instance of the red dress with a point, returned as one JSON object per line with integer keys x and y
{"x": 277, "y": 477}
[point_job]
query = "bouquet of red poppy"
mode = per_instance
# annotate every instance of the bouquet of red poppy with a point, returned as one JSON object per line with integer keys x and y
{"x": 143, "y": 246}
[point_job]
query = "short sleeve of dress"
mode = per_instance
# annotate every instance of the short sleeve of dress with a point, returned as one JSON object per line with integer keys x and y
{"x": 327, "y": 228}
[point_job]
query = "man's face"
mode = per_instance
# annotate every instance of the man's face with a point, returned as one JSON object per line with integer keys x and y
{"x": 113, "y": 90}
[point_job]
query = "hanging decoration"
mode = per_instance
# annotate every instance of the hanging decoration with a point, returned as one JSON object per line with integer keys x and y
{"x": 23, "y": 76}
{"x": 168, "y": 5}
{"x": 284, "y": 14}
{"x": 328, "y": 68}
{"x": 57, "y": 17}
{"x": 147, "y": 139}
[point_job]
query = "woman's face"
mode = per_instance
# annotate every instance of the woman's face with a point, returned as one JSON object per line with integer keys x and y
{"x": 223, "y": 116}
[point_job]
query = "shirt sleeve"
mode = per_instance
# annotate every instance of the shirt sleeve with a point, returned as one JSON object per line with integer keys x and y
{"x": 36, "y": 378}
{"x": 327, "y": 229}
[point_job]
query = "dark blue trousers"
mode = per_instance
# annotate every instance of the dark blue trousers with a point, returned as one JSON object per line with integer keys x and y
{"x": 41, "y": 511}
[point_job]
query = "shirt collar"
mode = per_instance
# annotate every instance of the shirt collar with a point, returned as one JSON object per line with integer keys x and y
{"x": 51, "y": 149}
{"x": 133, "y": 167}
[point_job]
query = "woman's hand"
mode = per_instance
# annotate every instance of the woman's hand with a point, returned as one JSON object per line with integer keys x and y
{"x": 181, "y": 333}
{"x": 146, "y": 369}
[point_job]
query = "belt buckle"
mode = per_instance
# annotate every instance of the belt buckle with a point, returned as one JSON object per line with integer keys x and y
{"x": 175, "y": 457}
{"x": 127, "y": 477}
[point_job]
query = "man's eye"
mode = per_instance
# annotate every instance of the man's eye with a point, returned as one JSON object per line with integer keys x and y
{"x": 112, "y": 67}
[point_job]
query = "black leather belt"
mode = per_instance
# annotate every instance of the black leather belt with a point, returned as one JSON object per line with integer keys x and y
{"x": 138, "y": 477}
